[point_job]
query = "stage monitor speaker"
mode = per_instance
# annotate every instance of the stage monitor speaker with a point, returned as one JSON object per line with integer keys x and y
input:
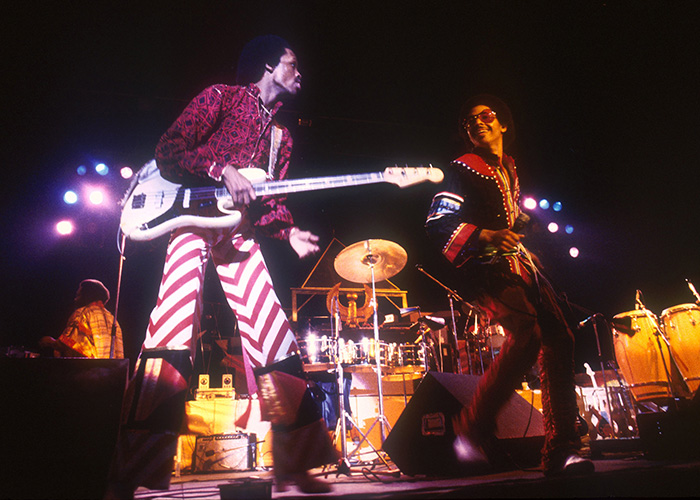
{"x": 671, "y": 435}
{"x": 421, "y": 441}
{"x": 59, "y": 425}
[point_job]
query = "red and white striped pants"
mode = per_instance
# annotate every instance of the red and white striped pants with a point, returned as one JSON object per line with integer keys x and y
{"x": 265, "y": 332}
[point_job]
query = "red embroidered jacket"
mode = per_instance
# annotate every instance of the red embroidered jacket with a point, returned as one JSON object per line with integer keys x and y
{"x": 228, "y": 125}
{"x": 480, "y": 193}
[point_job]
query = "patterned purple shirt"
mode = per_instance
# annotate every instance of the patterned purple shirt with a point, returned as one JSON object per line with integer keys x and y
{"x": 229, "y": 125}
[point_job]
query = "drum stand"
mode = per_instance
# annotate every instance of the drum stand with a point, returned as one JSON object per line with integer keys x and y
{"x": 381, "y": 418}
{"x": 341, "y": 427}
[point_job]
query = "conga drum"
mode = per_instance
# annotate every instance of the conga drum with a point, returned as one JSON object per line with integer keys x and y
{"x": 682, "y": 328}
{"x": 638, "y": 354}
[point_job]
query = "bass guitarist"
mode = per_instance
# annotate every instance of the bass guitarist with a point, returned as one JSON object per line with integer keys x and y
{"x": 224, "y": 129}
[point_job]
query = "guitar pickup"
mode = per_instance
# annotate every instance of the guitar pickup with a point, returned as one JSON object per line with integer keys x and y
{"x": 138, "y": 201}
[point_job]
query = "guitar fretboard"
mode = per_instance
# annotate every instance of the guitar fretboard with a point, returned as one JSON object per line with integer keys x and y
{"x": 314, "y": 183}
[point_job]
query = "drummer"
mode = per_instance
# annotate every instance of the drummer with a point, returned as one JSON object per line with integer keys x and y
{"x": 472, "y": 223}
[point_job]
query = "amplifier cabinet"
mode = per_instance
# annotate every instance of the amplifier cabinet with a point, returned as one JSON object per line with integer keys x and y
{"x": 224, "y": 453}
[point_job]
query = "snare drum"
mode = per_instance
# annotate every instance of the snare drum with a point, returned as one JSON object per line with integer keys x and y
{"x": 682, "y": 328}
{"x": 639, "y": 357}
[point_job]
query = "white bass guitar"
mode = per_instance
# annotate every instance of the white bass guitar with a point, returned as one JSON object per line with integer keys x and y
{"x": 154, "y": 206}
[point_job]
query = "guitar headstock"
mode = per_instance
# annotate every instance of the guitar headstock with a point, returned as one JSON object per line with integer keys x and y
{"x": 407, "y": 176}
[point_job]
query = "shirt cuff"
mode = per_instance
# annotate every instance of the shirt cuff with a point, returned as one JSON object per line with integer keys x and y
{"x": 453, "y": 249}
{"x": 216, "y": 171}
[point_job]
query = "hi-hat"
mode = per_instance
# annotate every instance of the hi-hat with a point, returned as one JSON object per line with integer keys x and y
{"x": 355, "y": 262}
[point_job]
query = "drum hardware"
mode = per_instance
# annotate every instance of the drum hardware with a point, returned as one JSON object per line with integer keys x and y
{"x": 341, "y": 425}
{"x": 370, "y": 261}
{"x": 693, "y": 290}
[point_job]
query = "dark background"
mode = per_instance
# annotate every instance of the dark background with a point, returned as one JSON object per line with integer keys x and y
{"x": 604, "y": 96}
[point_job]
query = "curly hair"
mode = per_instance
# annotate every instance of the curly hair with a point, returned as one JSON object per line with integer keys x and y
{"x": 261, "y": 50}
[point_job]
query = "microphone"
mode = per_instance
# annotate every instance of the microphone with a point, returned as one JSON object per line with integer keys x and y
{"x": 589, "y": 318}
{"x": 521, "y": 222}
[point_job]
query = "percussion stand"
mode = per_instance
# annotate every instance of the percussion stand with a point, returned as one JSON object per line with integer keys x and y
{"x": 341, "y": 427}
{"x": 381, "y": 418}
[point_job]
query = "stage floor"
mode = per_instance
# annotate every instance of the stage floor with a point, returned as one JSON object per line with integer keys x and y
{"x": 628, "y": 475}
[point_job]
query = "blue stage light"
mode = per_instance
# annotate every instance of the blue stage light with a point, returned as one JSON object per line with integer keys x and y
{"x": 556, "y": 206}
{"x": 544, "y": 204}
{"x": 101, "y": 169}
{"x": 81, "y": 170}
{"x": 569, "y": 229}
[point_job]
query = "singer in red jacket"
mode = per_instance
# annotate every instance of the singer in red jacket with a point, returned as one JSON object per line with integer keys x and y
{"x": 475, "y": 224}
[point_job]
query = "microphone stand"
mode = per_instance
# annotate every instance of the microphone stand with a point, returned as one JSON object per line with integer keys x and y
{"x": 605, "y": 381}
{"x": 113, "y": 336}
{"x": 451, "y": 295}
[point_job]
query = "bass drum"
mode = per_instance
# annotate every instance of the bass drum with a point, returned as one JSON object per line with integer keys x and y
{"x": 682, "y": 328}
{"x": 638, "y": 356}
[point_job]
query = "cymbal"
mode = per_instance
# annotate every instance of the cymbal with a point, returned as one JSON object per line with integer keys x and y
{"x": 355, "y": 262}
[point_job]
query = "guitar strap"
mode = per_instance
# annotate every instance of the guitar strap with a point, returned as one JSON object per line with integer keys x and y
{"x": 275, "y": 143}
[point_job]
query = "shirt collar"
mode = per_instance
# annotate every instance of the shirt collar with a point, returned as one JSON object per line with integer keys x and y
{"x": 254, "y": 91}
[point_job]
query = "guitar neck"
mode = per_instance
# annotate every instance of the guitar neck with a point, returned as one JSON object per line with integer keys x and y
{"x": 316, "y": 183}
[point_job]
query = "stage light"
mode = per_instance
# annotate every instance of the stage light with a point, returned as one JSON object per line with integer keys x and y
{"x": 101, "y": 169}
{"x": 126, "y": 173}
{"x": 82, "y": 170}
{"x": 553, "y": 227}
{"x": 569, "y": 229}
{"x": 573, "y": 251}
{"x": 544, "y": 204}
{"x": 70, "y": 197}
{"x": 556, "y": 206}
{"x": 530, "y": 203}
{"x": 96, "y": 197}
{"x": 64, "y": 227}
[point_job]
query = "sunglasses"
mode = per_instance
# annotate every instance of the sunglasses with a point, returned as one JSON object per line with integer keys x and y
{"x": 486, "y": 116}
